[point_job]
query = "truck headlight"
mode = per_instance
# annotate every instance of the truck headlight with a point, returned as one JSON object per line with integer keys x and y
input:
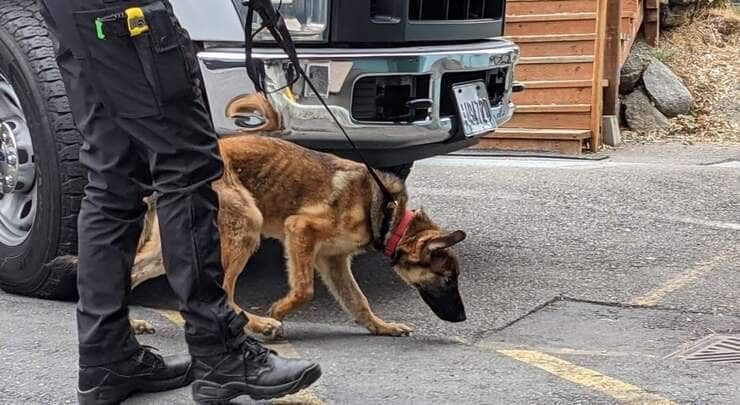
{"x": 306, "y": 19}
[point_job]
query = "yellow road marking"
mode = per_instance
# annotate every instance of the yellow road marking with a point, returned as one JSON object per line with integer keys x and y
{"x": 656, "y": 295}
{"x": 569, "y": 351}
{"x": 304, "y": 397}
{"x": 284, "y": 348}
{"x": 623, "y": 392}
{"x": 173, "y": 316}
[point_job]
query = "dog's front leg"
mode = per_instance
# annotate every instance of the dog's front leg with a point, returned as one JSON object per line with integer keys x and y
{"x": 303, "y": 234}
{"x": 147, "y": 265}
{"x": 336, "y": 272}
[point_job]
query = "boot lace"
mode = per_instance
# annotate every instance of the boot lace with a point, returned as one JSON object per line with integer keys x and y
{"x": 147, "y": 356}
{"x": 251, "y": 348}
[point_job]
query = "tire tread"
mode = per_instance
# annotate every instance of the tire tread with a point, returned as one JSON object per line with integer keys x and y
{"x": 23, "y": 21}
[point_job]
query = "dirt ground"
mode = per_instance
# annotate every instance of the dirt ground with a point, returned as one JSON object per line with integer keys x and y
{"x": 705, "y": 53}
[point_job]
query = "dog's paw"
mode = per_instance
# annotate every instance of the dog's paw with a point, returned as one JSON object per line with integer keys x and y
{"x": 140, "y": 327}
{"x": 268, "y": 327}
{"x": 278, "y": 333}
{"x": 390, "y": 329}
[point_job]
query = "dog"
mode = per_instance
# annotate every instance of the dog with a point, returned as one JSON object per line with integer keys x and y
{"x": 325, "y": 210}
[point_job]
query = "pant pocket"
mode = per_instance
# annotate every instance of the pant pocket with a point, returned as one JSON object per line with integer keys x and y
{"x": 116, "y": 68}
{"x": 174, "y": 80}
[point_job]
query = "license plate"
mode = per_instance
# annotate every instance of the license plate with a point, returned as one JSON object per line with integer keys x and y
{"x": 473, "y": 108}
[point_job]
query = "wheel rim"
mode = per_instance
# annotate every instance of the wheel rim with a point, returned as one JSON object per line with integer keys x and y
{"x": 18, "y": 188}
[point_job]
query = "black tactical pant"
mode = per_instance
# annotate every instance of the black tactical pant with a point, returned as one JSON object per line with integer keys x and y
{"x": 138, "y": 105}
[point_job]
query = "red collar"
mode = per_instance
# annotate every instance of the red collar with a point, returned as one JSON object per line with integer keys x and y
{"x": 403, "y": 226}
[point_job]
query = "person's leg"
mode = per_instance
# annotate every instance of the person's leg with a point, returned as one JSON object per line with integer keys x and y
{"x": 158, "y": 106}
{"x": 112, "y": 364}
{"x": 110, "y": 217}
{"x": 109, "y": 227}
{"x": 123, "y": 118}
{"x": 184, "y": 161}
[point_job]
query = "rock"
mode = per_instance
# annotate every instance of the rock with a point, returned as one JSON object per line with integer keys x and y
{"x": 639, "y": 58}
{"x": 677, "y": 12}
{"x": 675, "y": 16}
{"x": 640, "y": 113}
{"x": 667, "y": 90}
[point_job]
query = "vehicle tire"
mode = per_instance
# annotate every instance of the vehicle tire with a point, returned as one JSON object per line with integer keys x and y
{"x": 402, "y": 171}
{"x": 38, "y": 216}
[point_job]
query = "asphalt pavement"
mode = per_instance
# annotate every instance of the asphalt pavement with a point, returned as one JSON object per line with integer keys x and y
{"x": 585, "y": 282}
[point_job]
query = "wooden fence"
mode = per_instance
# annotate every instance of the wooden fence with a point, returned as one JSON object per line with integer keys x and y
{"x": 571, "y": 53}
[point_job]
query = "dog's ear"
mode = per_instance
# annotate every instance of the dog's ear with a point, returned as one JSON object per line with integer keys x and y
{"x": 442, "y": 242}
{"x": 421, "y": 216}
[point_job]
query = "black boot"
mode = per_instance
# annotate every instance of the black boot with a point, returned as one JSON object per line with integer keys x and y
{"x": 252, "y": 370}
{"x": 142, "y": 372}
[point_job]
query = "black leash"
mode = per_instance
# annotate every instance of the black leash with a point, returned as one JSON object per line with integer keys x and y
{"x": 273, "y": 21}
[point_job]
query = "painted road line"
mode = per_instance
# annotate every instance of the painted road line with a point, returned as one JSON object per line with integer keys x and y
{"x": 656, "y": 295}
{"x": 284, "y": 348}
{"x": 173, "y": 316}
{"x": 570, "y": 351}
{"x": 619, "y": 390}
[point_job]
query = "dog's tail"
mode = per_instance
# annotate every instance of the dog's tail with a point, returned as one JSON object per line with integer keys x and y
{"x": 61, "y": 284}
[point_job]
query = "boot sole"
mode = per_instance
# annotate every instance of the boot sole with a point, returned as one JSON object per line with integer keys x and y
{"x": 210, "y": 393}
{"x": 114, "y": 394}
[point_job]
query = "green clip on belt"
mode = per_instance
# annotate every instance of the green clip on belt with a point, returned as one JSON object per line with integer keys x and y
{"x": 99, "y": 28}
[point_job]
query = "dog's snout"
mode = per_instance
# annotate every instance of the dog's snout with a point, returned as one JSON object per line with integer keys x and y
{"x": 460, "y": 317}
{"x": 445, "y": 303}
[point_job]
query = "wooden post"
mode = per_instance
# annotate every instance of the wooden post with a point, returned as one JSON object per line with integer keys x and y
{"x": 598, "y": 74}
{"x": 612, "y": 56}
{"x": 651, "y": 24}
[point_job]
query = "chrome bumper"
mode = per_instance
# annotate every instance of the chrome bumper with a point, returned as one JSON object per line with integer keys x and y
{"x": 304, "y": 120}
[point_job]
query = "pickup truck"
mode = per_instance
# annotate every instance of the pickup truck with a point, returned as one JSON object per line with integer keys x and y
{"x": 408, "y": 79}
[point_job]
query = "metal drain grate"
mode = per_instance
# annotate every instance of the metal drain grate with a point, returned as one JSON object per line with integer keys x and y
{"x": 712, "y": 349}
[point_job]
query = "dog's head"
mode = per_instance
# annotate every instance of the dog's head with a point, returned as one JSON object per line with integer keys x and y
{"x": 426, "y": 261}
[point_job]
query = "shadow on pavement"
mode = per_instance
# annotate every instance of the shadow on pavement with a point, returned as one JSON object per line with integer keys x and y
{"x": 265, "y": 280}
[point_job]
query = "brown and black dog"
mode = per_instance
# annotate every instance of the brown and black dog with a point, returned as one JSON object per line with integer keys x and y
{"x": 325, "y": 210}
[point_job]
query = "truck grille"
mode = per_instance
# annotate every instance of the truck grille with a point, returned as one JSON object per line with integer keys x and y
{"x": 383, "y": 23}
{"x": 446, "y": 10}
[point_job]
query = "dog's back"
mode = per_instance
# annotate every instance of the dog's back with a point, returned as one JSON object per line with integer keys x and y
{"x": 286, "y": 179}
